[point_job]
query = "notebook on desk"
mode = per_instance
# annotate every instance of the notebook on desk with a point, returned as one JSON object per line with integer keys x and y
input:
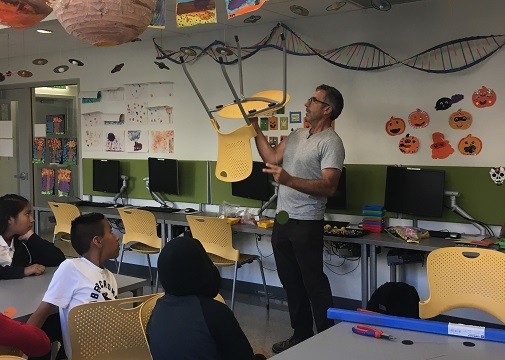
{"x": 93, "y": 204}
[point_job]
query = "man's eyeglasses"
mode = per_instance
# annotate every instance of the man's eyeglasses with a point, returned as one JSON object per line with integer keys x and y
{"x": 313, "y": 99}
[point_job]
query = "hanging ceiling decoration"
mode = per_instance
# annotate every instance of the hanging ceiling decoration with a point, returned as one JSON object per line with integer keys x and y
{"x": 104, "y": 22}
{"x": 22, "y": 14}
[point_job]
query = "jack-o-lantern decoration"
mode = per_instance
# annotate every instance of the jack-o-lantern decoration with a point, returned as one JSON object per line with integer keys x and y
{"x": 483, "y": 97}
{"x": 272, "y": 123}
{"x": 460, "y": 120}
{"x": 306, "y": 124}
{"x": 419, "y": 119}
{"x": 409, "y": 144}
{"x": 440, "y": 149}
{"x": 470, "y": 145}
{"x": 395, "y": 126}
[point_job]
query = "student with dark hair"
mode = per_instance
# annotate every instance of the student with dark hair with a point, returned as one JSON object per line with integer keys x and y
{"x": 22, "y": 252}
{"x": 187, "y": 323}
{"x": 81, "y": 280}
{"x": 29, "y": 339}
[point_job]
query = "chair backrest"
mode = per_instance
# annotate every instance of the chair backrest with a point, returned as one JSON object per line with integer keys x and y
{"x": 140, "y": 226}
{"x": 214, "y": 234}
{"x": 108, "y": 330}
{"x": 11, "y": 357}
{"x": 64, "y": 214}
{"x": 465, "y": 278}
{"x": 9, "y": 350}
{"x": 219, "y": 298}
{"x": 147, "y": 309}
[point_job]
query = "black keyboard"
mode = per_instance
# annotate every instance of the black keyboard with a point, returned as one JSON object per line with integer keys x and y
{"x": 94, "y": 204}
{"x": 159, "y": 209}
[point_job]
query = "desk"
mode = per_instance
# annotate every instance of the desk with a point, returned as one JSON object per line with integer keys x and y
{"x": 339, "y": 342}
{"x": 26, "y": 294}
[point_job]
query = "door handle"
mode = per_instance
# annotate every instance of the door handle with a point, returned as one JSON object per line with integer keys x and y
{"x": 22, "y": 176}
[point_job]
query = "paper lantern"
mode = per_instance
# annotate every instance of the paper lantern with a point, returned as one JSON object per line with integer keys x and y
{"x": 22, "y": 14}
{"x": 104, "y": 22}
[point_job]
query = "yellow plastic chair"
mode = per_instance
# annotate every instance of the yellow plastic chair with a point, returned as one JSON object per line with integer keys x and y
{"x": 140, "y": 229}
{"x": 64, "y": 214}
{"x": 108, "y": 330}
{"x": 9, "y": 351}
{"x": 147, "y": 309}
{"x": 465, "y": 278}
{"x": 216, "y": 237}
{"x": 11, "y": 357}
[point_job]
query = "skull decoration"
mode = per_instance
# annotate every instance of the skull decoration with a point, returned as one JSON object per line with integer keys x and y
{"x": 497, "y": 175}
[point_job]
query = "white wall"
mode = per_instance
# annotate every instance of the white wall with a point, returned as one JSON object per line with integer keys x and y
{"x": 371, "y": 97}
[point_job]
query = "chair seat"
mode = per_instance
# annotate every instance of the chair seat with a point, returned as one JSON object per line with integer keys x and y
{"x": 65, "y": 237}
{"x": 243, "y": 259}
{"x": 144, "y": 249}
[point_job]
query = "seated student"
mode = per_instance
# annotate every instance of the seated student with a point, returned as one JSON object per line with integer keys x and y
{"x": 22, "y": 252}
{"x": 187, "y": 323}
{"x": 81, "y": 280}
{"x": 29, "y": 339}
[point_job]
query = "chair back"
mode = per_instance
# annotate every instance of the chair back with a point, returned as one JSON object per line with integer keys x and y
{"x": 108, "y": 330}
{"x": 147, "y": 309}
{"x": 9, "y": 350}
{"x": 64, "y": 214}
{"x": 140, "y": 226}
{"x": 465, "y": 278}
{"x": 219, "y": 298}
{"x": 214, "y": 234}
{"x": 11, "y": 357}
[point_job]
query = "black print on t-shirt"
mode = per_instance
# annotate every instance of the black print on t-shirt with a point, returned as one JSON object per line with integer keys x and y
{"x": 105, "y": 289}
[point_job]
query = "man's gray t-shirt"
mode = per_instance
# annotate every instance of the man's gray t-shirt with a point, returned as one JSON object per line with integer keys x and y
{"x": 305, "y": 158}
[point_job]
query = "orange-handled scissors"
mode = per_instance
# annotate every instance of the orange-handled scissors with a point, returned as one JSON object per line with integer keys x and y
{"x": 370, "y": 331}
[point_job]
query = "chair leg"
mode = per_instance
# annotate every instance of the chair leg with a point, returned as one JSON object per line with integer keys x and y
{"x": 157, "y": 281}
{"x": 233, "y": 287}
{"x": 150, "y": 271}
{"x": 54, "y": 238}
{"x": 121, "y": 259}
{"x": 260, "y": 263}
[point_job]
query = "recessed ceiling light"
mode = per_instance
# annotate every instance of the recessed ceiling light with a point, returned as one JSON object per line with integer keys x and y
{"x": 60, "y": 69}
{"x": 299, "y": 10}
{"x": 252, "y": 19}
{"x": 336, "y": 5}
{"x": 382, "y": 5}
{"x": 76, "y": 62}
{"x": 188, "y": 51}
{"x": 39, "y": 61}
{"x": 25, "y": 73}
{"x": 44, "y": 31}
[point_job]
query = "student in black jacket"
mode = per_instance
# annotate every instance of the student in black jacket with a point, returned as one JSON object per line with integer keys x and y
{"x": 187, "y": 323}
{"x": 22, "y": 252}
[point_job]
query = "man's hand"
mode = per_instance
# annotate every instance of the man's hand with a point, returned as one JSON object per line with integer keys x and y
{"x": 280, "y": 175}
{"x": 26, "y": 236}
{"x": 34, "y": 269}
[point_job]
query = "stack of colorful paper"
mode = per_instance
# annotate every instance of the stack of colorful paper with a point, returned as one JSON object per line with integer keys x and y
{"x": 373, "y": 218}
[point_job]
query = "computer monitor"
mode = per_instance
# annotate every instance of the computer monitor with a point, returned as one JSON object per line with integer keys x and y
{"x": 163, "y": 175}
{"x": 106, "y": 176}
{"x": 414, "y": 191}
{"x": 339, "y": 199}
{"x": 257, "y": 186}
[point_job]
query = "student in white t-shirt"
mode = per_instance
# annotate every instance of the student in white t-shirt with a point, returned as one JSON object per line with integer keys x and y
{"x": 81, "y": 280}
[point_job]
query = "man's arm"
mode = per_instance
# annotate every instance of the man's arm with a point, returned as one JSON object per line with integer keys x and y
{"x": 267, "y": 152}
{"x": 317, "y": 187}
{"x": 40, "y": 315}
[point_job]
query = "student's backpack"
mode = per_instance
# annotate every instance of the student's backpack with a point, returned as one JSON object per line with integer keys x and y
{"x": 395, "y": 298}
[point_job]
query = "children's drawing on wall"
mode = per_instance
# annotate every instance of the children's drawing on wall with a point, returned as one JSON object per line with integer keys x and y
{"x": 114, "y": 141}
{"x": 264, "y": 124}
{"x": 460, "y": 120}
{"x": 47, "y": 181}
{"x": 160, "y": 115}
{"x": 497, "y": 174}
{"x": 445, "y": 102}
{"x": 70, "y": 151}
{"x": 162, "y": 141}
{"x": 113, "y": 119}
{"x": 395, "y": 126}
{"x": 55, "y": 124}
{"x": 283, "y": 120}
{"x": 39, "y": 150}
{"x": 483, "y": 97}
{"x": 273, "y": 141}
{"x": 295, "y": 117}
{"x": 138, "y": 141}
{"x": 240, "y": 7}
{"x": 113, "y": 94}
{"x": 470, "y": 145}
{"x": 160, "y": 90}
{"x": 92, "y": 119}
{"x": 55, "y": 150}
{"x": 137, "y": 113}
{"x": 91, "y": 97}
{"x": 135, "y": 91}
{"x": 64, "y": 178}
{"x": 409, "y": 144}
{"x": 195, "y": 12}
{"x": 441, "y": 148}
{"x": 419, "y": 119}
{"x": 272, "y": 123}
{"x": 93, "y": 140}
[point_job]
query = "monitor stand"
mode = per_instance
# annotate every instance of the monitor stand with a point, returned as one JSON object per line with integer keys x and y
{"x": 271, "y": 200}
{"x": 122, "y": 190}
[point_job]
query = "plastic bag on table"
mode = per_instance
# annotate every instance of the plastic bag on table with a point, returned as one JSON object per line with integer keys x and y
{"x": 408, "y": 233}
{"x": 247, "y": 217}
{"x": 229, "y": 210}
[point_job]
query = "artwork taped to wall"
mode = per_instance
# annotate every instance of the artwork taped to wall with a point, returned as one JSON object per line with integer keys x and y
{"x": 190, "y": 13}
{"x": 93, "y": 140}
{"x": 64, "y": 178}
{"x": 39, "y": 150}
{"x": 136, "y": 113}
{"x": 90, "y": 97}
{"x": 137, "y": 141}
{"x": 55, "y": 150}
{"x": 160, "y": 90}
{"x": 135, "y": 91}
{"x": 283, "y": 121}
{"x": 162, "y": 141}
{"x": 113, "y": 94}
{"x": 113, "y": 119}
{"x": 47, "y": 181}
{"x": 234, "y": 7}
{"x": 55, "y": 124}
{"x": 160, "y": 115}
{"x": 70, "y": 151}
{"x": 92, "y": 119}
{"x": 114, "y": 141}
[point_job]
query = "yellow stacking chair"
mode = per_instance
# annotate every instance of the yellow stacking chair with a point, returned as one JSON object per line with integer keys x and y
{"x": 64, "y": 214}
{"x": 216, "y": 237}
{"x": 461, "y": 277}
{"x": 140, "y": 230}
{"x": 9, "y": 351}
{"x": 11, "y": 357}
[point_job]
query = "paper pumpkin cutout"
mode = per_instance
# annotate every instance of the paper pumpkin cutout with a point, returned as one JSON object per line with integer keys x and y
{"x": 497, "y": 174}
{"x": 460, "y": 120}
{"x": 419, "y": 119}
{"x": 395, "y": 126}
{"x": 409, "y": 144}
{"x": 445, "y": 102}
{"x": 440, "y": 149}
{"x": 483, "y": 97}
{"x": 272, "y": 123}
{"x": 470, "y": 145}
